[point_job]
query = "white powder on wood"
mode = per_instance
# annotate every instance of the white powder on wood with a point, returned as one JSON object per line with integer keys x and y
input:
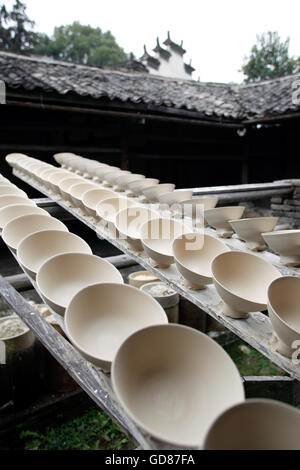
{"x": 160, "y": 290}
{"x": 12, "y": 326}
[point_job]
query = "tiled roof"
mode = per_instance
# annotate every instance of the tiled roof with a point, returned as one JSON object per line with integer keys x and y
{"x": 238, "y": 102}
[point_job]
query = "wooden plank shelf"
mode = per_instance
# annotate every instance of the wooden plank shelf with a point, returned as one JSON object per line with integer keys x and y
{"x": 256, "y": 330}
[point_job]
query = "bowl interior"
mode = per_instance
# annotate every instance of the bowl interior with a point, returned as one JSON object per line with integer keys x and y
{"x": 162, "y": 387}
{"x": 93, "y": 196}
{"x": 15, "y": 199}
{"x": 20, "y": 227}
{"x": 99, "y": 328}
{"x": 62, "y": 276}
{"x": 108, "y": 208}
{"x": 196, "y": 251}
{"x": 35, "y": 249}
{"x": 266, "y": 425}
{"x": 11, "y": 212}
{"x": 245, "y": 275}
{"x": 130, "y": 220}
{"x": 159, "y": 233}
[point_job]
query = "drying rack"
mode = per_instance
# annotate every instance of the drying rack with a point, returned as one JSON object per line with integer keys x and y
{"x": 256, "y": 330}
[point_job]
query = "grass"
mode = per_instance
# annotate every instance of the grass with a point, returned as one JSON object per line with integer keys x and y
{"x": 251, "y": 362}
{"x": 91, "y": 431}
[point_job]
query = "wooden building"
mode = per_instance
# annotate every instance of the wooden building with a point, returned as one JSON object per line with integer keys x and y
{"x": 182, "y": 131}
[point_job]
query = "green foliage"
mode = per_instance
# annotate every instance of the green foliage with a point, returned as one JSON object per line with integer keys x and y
{"x": 16, "y": 33}
{"x": 92, "y": 431}
{"x": 269, "y": 58}
{"x": 251, "y": 362}
{"x": 81, "y": 44}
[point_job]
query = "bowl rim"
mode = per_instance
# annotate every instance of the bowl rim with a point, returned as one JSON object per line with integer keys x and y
{"x": 245, "y": 254}
{"x": 142, "y": 208}
{"x": 204, "y": 235}
{"x": 64, "y": 254}
{"x": 281, "y": 279}
{"x": 104, "y": 285}
{"x": 174, "y": 222}
{"x": 245, "y": 403}
{"x": 43, "y": 233}
{"x": 140, "y": 424}
{"x": 254, "y": 219}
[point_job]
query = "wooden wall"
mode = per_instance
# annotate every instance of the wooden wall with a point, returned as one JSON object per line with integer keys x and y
{"x": 186, "y": 154}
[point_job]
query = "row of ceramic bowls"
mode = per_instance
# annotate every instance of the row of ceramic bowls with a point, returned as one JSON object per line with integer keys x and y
{"x": 256, "y": 232}
{"x": 242, "y": 280}
{"x": 129, "y": 384}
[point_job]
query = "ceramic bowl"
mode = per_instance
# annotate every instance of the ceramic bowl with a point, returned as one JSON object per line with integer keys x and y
{"x": 128, "y": 222}
{"x": 157, "y": 237}
{"x": 15, "y": 199}
{"x": 242, "y": 280}
{"x": 283, "y": 308}
{"x": 35, "y": 249}
{"x": 19, "y": 228}
{"x": 65, "y": 184}
{"x": 43, "y": 176}
{"x": 76, "y": 192}
{"x": 173, "y": 381}
{"x": 136, "y": 187}
{"x": 152, "y": 193}
{"x": 250, "y": 230}
{"x": 92, "y": 197}
{"x": 62, "y": 157}
{"x": 97, "y": 329}
{"x": 91, "y": 167}
{"x": 193, "y": 255}
{"x": 7, "y": 190}
{"x": 194, "y": 208}
{"x": 16, "y": 210}
{"x": 62, "y": 276}
{"x": 55, "y": 178}
{"x": 100, "y": 172}
{"x": 123, "y": 180}
{"x": 108, "y": 208}
{"x": 111, "y": 177}
{"x": 219, "y": 216}
{"x": 256, "y": 424}
{"x": 174, "y": 197}
{"x": 286, "y": 243}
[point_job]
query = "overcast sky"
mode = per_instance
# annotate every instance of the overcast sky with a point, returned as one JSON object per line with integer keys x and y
{"x": 216, "y": 34}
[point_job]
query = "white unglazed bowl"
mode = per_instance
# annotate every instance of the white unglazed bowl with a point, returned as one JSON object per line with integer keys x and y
{"x": 242, "y": 281}
{"x": 20, "y": 227}
{"x": 97, "y": 329}
{"x": 128, "y": 223}
{"x": 193, "y": 255}
{"x": 250, "y": 230}
{"x": 157, "y": 237}
{"x": 76, "y": 192}
{"x": 283, "y": 309}
{"x": 256, "y": 424}
{"x": 173, "y": 381}
{"x": 136, "y": 187}
{"x": 9, "y": 189}
{"x": 62, "y": 276}
{"x": 108, "y": 208}
{"x": 152, "y": 193}
{"x": 287, "y": 244}
{"x": 65, "y": 184}
{"x": 35, "y": 249}
{"x": 9, "y": 213}
{"x": 219, "y": 216}
{"x": 92, "y": 197}
{"x": 13, "y": 199}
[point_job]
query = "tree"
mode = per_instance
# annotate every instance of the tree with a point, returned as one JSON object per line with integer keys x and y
{"x": 269, "y": 58}
{"x": 16, "y": 33}
{"x": 82, "y": 44}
